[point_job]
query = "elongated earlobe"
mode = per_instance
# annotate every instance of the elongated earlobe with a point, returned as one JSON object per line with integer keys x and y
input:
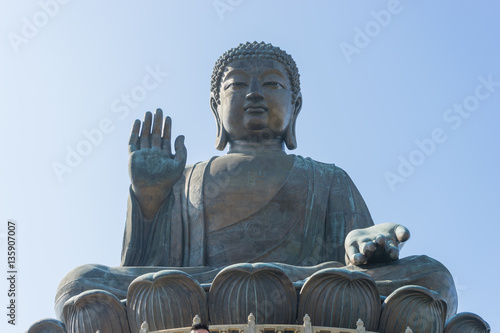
{"x": 221, "y": 139}
{"x": 290, "y": 137}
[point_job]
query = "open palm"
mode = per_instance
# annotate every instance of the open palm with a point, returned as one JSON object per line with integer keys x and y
{"x": 153, "y": 168}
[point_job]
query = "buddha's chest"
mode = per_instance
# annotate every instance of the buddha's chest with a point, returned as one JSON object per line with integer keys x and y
{"x": 237, "y": 186}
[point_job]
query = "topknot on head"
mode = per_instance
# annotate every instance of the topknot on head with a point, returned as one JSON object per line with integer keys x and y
{"x": 255, "y": 50}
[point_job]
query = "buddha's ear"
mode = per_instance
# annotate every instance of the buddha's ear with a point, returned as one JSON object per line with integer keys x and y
{"x": 221, "y": 139}
{"x": 290, "y": 137}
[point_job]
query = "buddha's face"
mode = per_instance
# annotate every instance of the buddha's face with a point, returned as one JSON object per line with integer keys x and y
{"x": 255, "y": 100}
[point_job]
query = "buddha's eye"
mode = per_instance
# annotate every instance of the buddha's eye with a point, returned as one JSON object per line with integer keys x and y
{"x": 273, "y": 85}
{"x": 235, "y": 84}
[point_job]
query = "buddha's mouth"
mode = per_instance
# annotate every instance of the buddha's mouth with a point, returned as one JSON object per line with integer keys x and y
{"x": 256, "y": 109}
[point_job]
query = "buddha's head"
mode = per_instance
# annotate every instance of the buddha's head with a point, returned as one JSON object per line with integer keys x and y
{"x": 255, "y": 95}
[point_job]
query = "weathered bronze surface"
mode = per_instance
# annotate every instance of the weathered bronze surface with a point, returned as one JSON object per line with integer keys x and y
{"x": 255, "y": 204}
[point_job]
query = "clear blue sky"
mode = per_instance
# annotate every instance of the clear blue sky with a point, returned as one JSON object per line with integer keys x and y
{"x": 413, "y": 86}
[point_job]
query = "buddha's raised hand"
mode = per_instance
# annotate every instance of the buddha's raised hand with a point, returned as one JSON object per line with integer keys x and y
{"x": 153, "y": 168}
{"x": 378, "y": 243}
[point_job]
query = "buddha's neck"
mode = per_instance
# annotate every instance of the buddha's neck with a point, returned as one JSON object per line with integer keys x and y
{"x": 252, "y": 147}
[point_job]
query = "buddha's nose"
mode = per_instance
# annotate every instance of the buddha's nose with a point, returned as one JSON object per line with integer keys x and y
{"x": 254, "y": 91}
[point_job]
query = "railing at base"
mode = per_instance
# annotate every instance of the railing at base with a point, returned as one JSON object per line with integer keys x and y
{"x": 252, "y": 327}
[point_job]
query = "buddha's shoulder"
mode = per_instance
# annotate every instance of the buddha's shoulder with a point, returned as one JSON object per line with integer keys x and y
{"x": 308, "y": 162}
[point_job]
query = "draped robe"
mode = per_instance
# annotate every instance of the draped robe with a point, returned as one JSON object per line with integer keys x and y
{"x": 304, "y": 223}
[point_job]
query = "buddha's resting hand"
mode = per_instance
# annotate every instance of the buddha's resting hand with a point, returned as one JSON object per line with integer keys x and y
{"x": 378, "y": 243}
{"x": 153, "y": 168}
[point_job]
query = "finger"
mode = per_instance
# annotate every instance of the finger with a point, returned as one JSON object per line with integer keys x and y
{"x": 180, "y": 150}
{"x": 146, "y": 131}
{"x": 156, "y": 132}
{"x": 380, "y": 241}
{"x": 134, "y": 135}
{"x": 350, "y": 253}
{"x": 392, "y": 249}
{"x": 402, "y": 233}
{"x": 367, "y": 248}
{"x": 167, "y": 132}
{"x": 360, "y": 259}
{"x": 354, "y": 256}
